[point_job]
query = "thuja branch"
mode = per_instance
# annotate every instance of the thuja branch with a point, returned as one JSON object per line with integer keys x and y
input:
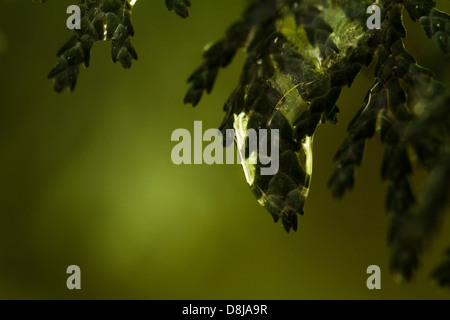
{"x": 101, "y": 20}
{"x": 299, "y": 56}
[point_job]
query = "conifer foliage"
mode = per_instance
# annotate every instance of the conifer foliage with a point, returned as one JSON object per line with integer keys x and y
{"x": 299, "y": 56}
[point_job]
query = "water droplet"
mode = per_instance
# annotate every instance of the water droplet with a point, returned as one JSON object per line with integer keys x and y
{"x": 419, "y": 107}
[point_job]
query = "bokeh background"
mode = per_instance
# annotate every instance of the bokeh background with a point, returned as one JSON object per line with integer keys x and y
{"x": 86, "y": 177}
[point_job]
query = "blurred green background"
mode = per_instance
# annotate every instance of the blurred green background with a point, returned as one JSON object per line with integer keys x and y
{"x": 86, "y": 177}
